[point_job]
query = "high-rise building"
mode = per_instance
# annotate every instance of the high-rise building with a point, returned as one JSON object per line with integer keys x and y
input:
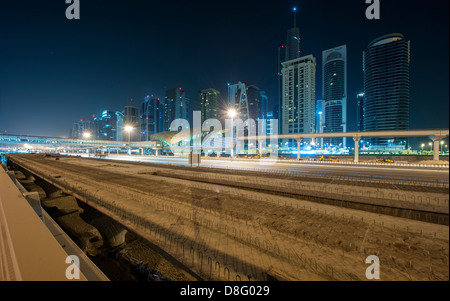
{"x": 293, "y": 41}
{"x": 264, "y": 105}
{"x": 248, "y": 100}
{"x": 334, "y": 87}
{"x": 319, "y": 115}
{"x": 269, "y": 124}
{"x": 119, "y": 117}
{"x": 360, "y": 112}
{"x": 80, "y": 128}
{"x": 235, "y": 93}
{"x": 319, "y": 120}
{"x": 299, "y": 98}
{"x": 131, "y": 118}
{"x": 151, "y": 118}
{"x": 287, "y": 52}
{"x": 107, "y": 125}
{"x": 386, "y": 86}
{"x": 176, "y": 106}
{"x": 237, "y": 99}
{"x": 254, "y": 99}
{"x": 209, "y": 100}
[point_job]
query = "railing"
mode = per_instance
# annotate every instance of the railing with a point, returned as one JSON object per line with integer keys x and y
{"x": 28, "y": 251}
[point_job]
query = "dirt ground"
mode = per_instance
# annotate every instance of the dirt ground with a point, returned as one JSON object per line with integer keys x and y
{"x": 228, "y": 233}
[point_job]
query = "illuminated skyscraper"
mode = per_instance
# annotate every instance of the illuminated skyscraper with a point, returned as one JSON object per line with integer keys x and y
{"x": 299, "y": 97}
{"x": 209, "y": 104}
{"x": 293, "y": 41}
{"x": 360, "y": 112}
{"x": 287, "y": 52}
{"x": 264, "y": 106}
{"x": 176, "y": 106}
{"x": 386, "y": 86}
{"x": 131, "y": 118}
{"x": 334, "y": 87}
{"x": 254, "y": 99}
{"x": 237, "y": 99}
{"x": 151, "y": 117}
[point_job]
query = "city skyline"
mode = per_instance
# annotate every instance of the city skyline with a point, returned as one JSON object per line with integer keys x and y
{"x": 68, "y": 75}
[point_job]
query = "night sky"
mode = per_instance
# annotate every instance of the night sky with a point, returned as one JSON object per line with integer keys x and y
{"x": 54, "y": 71}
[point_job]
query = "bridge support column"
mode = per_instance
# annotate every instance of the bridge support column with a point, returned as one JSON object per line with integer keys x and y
{"x": 299, "y": 141}
{"x": 436, "y": 147}
{"x": 357, "y": 140}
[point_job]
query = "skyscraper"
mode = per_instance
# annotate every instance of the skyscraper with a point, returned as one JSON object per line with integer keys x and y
{"x": 209, "y": 100}
{"x": 299, "y": 97}
{"x": 176, "y": 106}
{"x": 264, "y": 105}
{"x": 131, "y": 118}
{"x": 287, "y": 52}
{"x": 360, "y": 112}
{"x": 386, "y": 85}
{"x": 151, "y": 119}
{"x": 334, "y": 87}
{"x": 237, "y": 99}
{"x": 79, "y": 128}
{"x": 254, "y": 99}
{"x": 119, "y": 117}
{"x": 293, "y": 40}
{"x": 108, "y": 125}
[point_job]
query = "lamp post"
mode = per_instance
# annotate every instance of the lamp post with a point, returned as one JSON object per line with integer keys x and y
{"x": 129, "y": 129}
{"x": 442, "y": 143}
{"x": 232, "y": 113}
{"x": 423, "y": 145}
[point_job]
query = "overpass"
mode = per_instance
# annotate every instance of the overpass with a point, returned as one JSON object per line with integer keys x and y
{"x": 435, "y": 135}
{"x": 57, "y": 143}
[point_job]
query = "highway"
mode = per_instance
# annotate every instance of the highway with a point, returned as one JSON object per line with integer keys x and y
{"x": 416, "y": 174}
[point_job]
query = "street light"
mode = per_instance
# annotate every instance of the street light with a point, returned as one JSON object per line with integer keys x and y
{"x": 87, "y": 135}
{"x": 232, "y": 113}
{"x": 129, "y": 129}
{"x": 423, "y": 145}
{"x": 442, "y": 143}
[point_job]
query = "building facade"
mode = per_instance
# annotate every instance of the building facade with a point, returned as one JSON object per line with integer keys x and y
{"x": 209, "y": 100}
{"x": 386, "y": 86}
{"x": 299, "y": 98}
{"x": 132, "y": 119}
{"x": 237, "y": 99}
{"x": 176, "y": 106}
{"x": 360, "y": 112}
{"x": 152, "y": 117}
{"x": 334, "y": 88}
